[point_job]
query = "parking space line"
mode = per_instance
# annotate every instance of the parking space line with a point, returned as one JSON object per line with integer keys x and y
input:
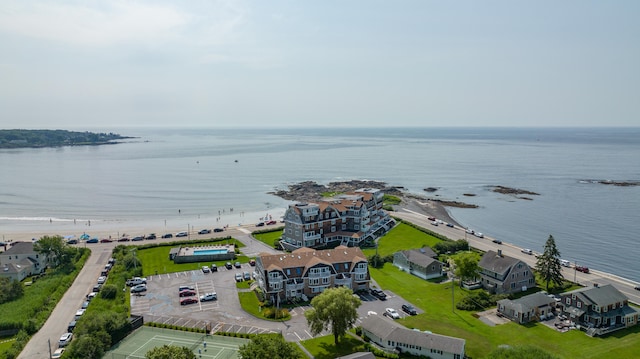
{"x": 309, "y": 334}
{"x": 296, "y": 334}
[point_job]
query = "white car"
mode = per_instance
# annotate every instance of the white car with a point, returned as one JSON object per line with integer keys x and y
{"x": 136, "y": 281}
{"x": 209, "y": 296}
{"x": 57, "y": 354}
{"x": 139, "y": 288}
{"x": 79, "y": 313}
{"x": 527, "y": 251}
{"x": 65, "y": 339}
{"x": 479, "y": 234}
{"x": 101, "y": 280}
{"x": 391, "y": 313}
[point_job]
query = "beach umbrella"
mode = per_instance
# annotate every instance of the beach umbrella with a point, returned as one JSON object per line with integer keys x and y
{"x": 85, "y": 236}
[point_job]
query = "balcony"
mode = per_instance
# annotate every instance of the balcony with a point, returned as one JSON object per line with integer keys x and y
{"x": 294, "y": 284}
{"x": 342, "y": 279}
{"x": 311, "y": 237}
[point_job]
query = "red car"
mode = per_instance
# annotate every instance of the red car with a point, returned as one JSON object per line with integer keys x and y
{"x": 187, "y": 293}
{"x": 189, "y": 300}
{"x": 105, "y": 240}
{"x": 582, "y": 269}
{"x": 252, "y": 262}
{"x": 271, "y": 222}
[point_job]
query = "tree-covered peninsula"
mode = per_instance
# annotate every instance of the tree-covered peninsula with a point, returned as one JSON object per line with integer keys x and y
{"x": 55, "y": 138}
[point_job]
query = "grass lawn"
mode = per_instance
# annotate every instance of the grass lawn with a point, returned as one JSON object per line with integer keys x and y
{"x": 400, "y": 238}
{"x": 6, "y": 343}
{"x": 324, "y": 347}
{"x": 435, "y": 300}
{"x": 268, "y": 238}
{"x": 155, "y": 260}
{"x": 249, "y": 302}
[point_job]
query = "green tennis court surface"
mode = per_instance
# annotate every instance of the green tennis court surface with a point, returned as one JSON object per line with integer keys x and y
{"x": 138, "y": 343}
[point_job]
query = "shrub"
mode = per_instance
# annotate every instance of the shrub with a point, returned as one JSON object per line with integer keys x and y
{"x": 108, "y": 291}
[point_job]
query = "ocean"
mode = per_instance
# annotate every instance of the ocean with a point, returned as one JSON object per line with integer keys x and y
{"x": 212, "y": 177}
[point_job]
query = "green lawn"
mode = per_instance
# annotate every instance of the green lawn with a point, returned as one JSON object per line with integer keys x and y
{"x": 155, "y": 260}
{"x": 268, "y": 238}
{"x": 249, "y": 302}
{"x": 400, "y": 238}
{"x": 324, "y": 347}
{"x": 435, "y": 300}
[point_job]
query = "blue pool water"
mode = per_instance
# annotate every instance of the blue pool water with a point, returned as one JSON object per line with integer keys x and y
{"x": 204, "y": 252}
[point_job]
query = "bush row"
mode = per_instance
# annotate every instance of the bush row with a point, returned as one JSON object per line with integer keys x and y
{"x": 175, "y": 327}
{"x": 181, "y": 242}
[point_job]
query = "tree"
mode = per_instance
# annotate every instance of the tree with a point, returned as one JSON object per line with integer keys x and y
{"x": 52, "y": 247}
{"x": 10, "y": 289}
{"x": 86, "y": 347}
{"x": 269, "y": 346}
{"x": 335, "y": 308}
{"x": 466, "y": 266}
{"x": 548, "y": 264}
{"x": 170, "y": 352}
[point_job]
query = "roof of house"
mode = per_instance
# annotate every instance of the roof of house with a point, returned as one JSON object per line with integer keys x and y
{"x": 497, "y": 263}
{"x": 418, "y": 257}
{"x": 528, "y": 302}
{"x": 601, "y": 295}
{"x": 20, "y": 248}
{"x": 308, "y": 257}
{"x": 359, "y": 355}
{"x": 387, "y": 329}
{"x": 12, "y": 268}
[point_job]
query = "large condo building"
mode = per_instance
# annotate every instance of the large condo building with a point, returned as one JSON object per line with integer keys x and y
{"x": 350, "y": 219}
{"x": 307, "y": 272}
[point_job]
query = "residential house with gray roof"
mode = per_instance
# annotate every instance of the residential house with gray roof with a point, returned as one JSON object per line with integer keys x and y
{"x": 307, "y": 272}
{"x": 600, "y": 309}
{"x": 392, "y": 336}
{"x": 531, "y": 307}
{"x": 503, "y": 274}
{"x": 419, "y": 262}
{"x": 21, "y": 261}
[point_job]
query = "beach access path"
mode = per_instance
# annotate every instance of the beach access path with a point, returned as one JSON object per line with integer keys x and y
{"x": 624, "y": 285}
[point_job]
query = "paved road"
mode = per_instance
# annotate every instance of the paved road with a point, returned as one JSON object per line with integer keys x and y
{"x": 601, "y": 278}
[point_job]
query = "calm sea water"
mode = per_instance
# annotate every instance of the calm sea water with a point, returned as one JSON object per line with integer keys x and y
{"x": 194, "y": 171}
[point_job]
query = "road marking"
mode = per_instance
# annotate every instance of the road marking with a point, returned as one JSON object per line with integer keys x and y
{"x": 297, "y": 335}
{"x": 309, "y": 334}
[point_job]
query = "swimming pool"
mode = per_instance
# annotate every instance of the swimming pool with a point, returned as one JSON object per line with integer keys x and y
{"x": 207, "y": 252}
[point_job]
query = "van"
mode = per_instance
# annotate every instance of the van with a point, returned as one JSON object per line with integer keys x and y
{"x": 565, "y": 263}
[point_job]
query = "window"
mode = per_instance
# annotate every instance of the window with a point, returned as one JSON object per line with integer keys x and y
{"x": 344, "y": 226}
{"x": 333, "y": 228}
{"x": 314, "y": 281}
{"x": 346, "y": 266}
{"x": 333, "y": 222}
{"x": 356, "y": 226}
{"x": 568, "y": 301}
{"x": 288, "y": 271}
{"x": 325, "y": 280}
{"x": 579, "y": 304}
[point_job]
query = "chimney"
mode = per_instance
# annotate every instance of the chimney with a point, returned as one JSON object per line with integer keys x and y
{"x": 499, "y": 252}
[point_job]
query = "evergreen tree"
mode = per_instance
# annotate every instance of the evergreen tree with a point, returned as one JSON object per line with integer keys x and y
{"x": 548, "y": 264}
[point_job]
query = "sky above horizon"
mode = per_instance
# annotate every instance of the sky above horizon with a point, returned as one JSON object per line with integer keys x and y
{"x": 105, "y": 64}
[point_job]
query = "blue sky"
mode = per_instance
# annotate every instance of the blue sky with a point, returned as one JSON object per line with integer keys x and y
{"x": 92, "y": 64}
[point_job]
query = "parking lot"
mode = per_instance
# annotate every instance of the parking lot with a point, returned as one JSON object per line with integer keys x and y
{"x": 161, "y": 304}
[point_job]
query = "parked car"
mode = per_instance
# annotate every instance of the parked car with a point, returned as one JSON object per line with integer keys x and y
{"x": 72, "y": 241}
{"x": 167, "y": 235}
{"x": 58, "y": 353}
{"x": 497, "y": 241}
{"x": 208, "y": 296}
{"x": 150, "y": 236}
{"x": 378, "y": 294}
{"x": 185, "y": 287}
{"x": 637, "y": 287}
{"x": 91, "y": 296}
{"x": 238, "y": 265}
{"x": 469, "y": 231}
{"x": 187, "y": 293}
{"x": 259, "y": 224}
{"x": 269, "y": 223}
{"x": 214, "y": 267}
{"x": 582, "y": 269}
{"x": 205, "y": 269}
{"x": 105, "y": 240}
{"x": 204, "y": 231}
{"x": 65, "y": 339}
{"x": 450, "y": 225}
{"x": 136, "y": 280}
{"x": 218, "y": 230}
{"x": 139, "y": 288}
{"x": 434, "y": 223}
{"x": 189, "y": 300}
{"x": 85, "y": 304}
{"x": 391, "y": 313}
{"x": 252, "y": 262}
{"x": 137, "y": 238}
{"x": 228, "y": 265}
{"x": 182, "y": 234}
{"x": 431, "y": 218}
{"x": 246, "y": 276}
{"x": 96, "y": 288}
{"x": 238, "y": 277}
{"x": 478, "y": 234}
{"x": 93, "y": 240}
{"x": 527, "y": 251}
{"x": 71, "y": 326}
{"x": 79, "y": 313}
{"x": 124, "y": 239}
{"x": 101, "y": 280}
{"x": 409, "y": 309}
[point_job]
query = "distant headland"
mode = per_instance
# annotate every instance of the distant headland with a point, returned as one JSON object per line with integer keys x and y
{"x": 55, "y": 138}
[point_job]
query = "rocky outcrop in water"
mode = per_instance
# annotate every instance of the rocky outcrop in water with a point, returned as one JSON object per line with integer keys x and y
{"x": 312, "y": 191}
{"x": 513, "y": 191}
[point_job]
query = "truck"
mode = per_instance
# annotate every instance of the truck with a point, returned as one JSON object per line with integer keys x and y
{"x": 136, "y": 280}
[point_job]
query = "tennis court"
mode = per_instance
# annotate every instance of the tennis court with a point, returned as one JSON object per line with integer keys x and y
{"x": 138, "y": 343}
